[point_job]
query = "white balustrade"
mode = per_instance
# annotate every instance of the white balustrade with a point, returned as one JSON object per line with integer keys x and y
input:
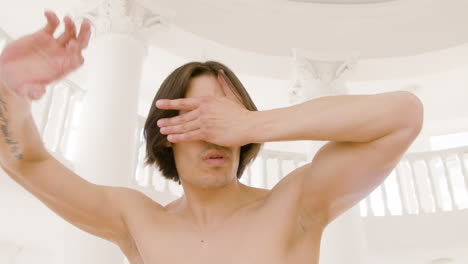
{"x": 60, "y": 103}
{"x": 426, "y": 182}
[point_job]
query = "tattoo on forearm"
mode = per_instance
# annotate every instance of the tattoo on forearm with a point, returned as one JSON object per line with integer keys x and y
{"x": 5, "y": 131}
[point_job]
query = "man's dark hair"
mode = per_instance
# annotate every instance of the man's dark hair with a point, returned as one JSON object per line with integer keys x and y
{"x": 176, "y": 86}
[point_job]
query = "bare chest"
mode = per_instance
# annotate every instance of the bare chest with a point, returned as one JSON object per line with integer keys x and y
{"x": 257, "y": 237}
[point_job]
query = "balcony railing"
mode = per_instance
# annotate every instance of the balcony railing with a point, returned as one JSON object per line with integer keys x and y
{"x": 425, "y": 182}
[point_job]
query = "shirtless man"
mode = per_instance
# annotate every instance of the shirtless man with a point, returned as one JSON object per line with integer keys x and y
{"x": 219, "y": 219}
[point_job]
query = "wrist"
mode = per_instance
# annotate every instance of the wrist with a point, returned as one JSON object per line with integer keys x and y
{"x": 253, "y": 126}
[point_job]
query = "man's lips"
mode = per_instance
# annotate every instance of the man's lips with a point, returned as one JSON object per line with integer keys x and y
{"x": 216, "y": 161}
{"x": 215, "y": 154}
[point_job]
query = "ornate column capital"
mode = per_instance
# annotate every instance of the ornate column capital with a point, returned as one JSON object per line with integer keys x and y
{"x": 317, "y": 75}
{"x": 121, "y": 17}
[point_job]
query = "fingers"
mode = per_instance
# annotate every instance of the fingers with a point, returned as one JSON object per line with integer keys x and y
{"x": 85, "y": 34}
{"x": 52, "y": 22}
{"x": 180, "y": 129}
{"x": 178, "y": 104}
{"x": 69, "y": 33}
{"x": 73, "y": 47}
{"x": 70, "y": 30}
{"x": 192, "y": 115}
{"x": 75, "y": 59}
{"x": 190, "y": 136}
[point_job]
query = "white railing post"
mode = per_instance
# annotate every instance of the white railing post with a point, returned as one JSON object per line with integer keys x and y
{"x": 370, "y": 209}
{"x": 448, "y": 179}
{"x": 279, "y": 162}
{"x": 461, "y": 157}
{"x": 435, "y": 196}
{"x": 403, "y": 197}
{"x": 46, "y": 111}
{"x": 385, "y": 199}
{"x": 249, "y": 173}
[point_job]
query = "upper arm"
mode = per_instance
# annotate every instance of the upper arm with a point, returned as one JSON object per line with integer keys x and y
{"x": 343, "y": 173}
{"x": 96, "y": 209}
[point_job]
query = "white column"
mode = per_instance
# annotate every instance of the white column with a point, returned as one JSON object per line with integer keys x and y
{"x": 106, "y": 141}
{"x": 316, "y": 75}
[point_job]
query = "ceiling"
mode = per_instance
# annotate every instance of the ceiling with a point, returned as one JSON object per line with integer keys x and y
{"x": 273, "y": 27}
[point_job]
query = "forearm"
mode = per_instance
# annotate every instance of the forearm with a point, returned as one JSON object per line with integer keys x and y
{"x": 353, "y": 118}
{"x": 20, "y": 140}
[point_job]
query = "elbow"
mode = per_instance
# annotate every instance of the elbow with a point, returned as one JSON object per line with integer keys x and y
{"x": 413, "y": 112}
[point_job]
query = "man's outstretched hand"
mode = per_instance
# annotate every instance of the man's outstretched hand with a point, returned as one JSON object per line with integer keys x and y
{"x": 30, "y": 63}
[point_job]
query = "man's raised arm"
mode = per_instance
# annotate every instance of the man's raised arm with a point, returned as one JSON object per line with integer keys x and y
{"x": 27, "y": 65}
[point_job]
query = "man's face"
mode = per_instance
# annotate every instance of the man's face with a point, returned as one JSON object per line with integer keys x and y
{"x": 191, "y": 166}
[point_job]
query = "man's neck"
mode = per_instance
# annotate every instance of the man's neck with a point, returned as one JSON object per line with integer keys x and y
{"x": 208, "y": 208}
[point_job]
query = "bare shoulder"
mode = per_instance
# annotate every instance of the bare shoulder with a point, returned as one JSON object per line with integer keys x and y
{"x": 135, "y": 207}
{"x": 139, "y": 211}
